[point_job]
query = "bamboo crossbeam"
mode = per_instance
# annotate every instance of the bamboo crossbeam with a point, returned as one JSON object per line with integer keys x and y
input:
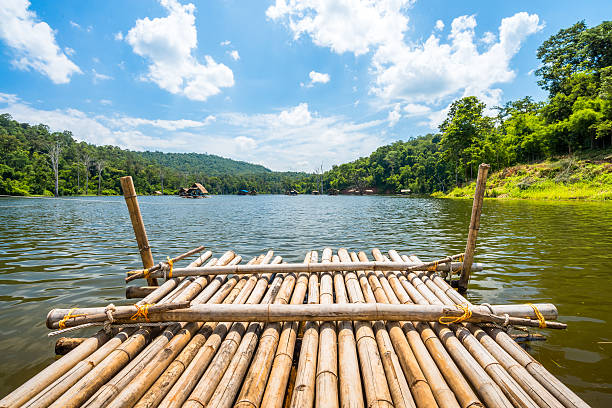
{"x": 335, "y": 312}
{"x": 442, "y": 265}
{"x": 141, "y": 274}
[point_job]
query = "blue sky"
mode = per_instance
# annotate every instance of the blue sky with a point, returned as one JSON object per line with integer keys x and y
{"x": 287, "y": 84}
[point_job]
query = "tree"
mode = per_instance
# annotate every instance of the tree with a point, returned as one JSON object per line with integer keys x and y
{"x": 87, "y": 164}
{"x": 55, "y": 154}
{"x": 100, "y": 167}
{"x": 463, "y": 131}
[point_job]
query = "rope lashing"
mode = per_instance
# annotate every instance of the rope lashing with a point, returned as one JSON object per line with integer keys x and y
{"x": 62, "y": 323}
{"x": 109, "y": 310}
{"x": 539, "y": 315}
{"x": 141, "y": 311}
{"x": 433, "y": 267}
{"x": 170, "y": 265}
{"x": 467, "y": 313}
{"x": 145, "y": 273}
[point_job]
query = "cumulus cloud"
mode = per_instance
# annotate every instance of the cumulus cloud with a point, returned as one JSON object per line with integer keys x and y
{"x": 318, "y": 77}
{"x": 346, "y": 25}
{"x": 414, "y": 109}
{"x": 234, "y": 54}
{"x": 427, "y": 73}
{"x": 169, "y": 44}
{"x": 394, "y": 115}
{"x": 97, "y": 77}
{"x": 33, "y": 42}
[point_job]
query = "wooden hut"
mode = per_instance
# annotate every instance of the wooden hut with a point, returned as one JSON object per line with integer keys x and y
{"x": 195, "y": 191}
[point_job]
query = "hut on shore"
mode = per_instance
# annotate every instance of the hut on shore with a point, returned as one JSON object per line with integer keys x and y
{"x": 195, "y": 191}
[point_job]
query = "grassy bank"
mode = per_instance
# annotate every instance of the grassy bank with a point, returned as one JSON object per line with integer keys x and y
{"x": 566, "y": 178}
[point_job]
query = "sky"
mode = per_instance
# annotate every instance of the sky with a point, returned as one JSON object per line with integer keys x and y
{"x": 290, "y": 84}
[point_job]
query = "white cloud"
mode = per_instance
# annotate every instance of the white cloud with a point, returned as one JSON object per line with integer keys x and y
{"x": 344, "y": 26}
{"x": 414, "y": 109}
{"x": 488, "y": 38}
{"x": 75, "y": 25}
{"x": 318, "y": 77}
{"x": 69, "y": 51}
{"x": 106, "y": 102}
{"x": 394, "y": 115}
{"x": 99, "y": 77}
{"x": 169, "y": 43}
{"x": 439, "y": 25}
{"x": 234, "y": 54}
{"x": 297, "y": 116}
{"x": 225, "y": 43}
{"x": 432, "y": 71}
{"x": 245, "y": 143}
{"x": 33, "y": 42}
{"x": 119, "y": 36}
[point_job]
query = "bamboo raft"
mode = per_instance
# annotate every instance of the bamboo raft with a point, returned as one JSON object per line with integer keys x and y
{"x": 341, "y": 329}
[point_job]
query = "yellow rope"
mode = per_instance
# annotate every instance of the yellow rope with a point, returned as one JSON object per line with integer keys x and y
{"x": 433, "y": 267}
{"x": 467, "y": 313}
{"x": 171, "y": 263}
{"x": 62, "y": 323}
{"x": 141, "y": 311}
{"x": 145, "y": 273}
{"x": 539, "y": 316}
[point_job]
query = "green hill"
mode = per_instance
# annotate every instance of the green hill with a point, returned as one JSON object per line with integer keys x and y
{"x": 203, "y": 163}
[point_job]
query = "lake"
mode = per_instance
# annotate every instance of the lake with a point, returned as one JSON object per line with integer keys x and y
{"x": 75, "y": 251}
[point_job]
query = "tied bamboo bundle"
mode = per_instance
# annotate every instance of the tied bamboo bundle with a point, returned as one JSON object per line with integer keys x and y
{"x": 163, "y": 266}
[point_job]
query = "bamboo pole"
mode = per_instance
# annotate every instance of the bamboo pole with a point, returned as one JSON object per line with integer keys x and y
{"x": 131, "y": 200}
{"x": 511, "y": 389}
{"x": 430, "y": 352}
{"x": 487, "y": 389}
{"x": 481, "y": 183}
{"x": 276, "y": 387}
{"x": 555, "y": 387}
{"x": 137, "y": 292}
{"x": 90, "y": 384}
{"x": 334, "y": 312}
{"x": 438, "y": 265}
{"x": 383, "y": 380}
{"x": 304, "y": 389}
{"x": 213, "y": 375}
{"x": 183, "y": 379}
{"x": 164, "y": 264}
{"x": 54, "y": 371}
{"x": 252, "y": 383}
{"x": 351, "y": 391}
{"x": 65, "y": 345}
{"x": 155, "y": 367}
{"x": 420, "y": 369}
{"x": 326, "y": 382}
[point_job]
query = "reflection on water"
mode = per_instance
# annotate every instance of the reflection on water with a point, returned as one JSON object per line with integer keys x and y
{"x": 70, "y": 252}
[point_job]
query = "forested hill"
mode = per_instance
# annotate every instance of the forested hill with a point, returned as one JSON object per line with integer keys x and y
{"x": 203, "y": 163}
{"x": 31, "y": 155}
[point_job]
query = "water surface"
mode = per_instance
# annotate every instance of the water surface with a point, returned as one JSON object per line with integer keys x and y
{"x": 75, "y": 251}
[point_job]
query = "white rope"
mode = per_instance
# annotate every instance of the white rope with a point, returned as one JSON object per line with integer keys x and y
{"x": 109, "y": 310}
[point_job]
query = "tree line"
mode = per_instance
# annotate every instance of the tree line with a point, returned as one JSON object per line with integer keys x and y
{"x": 576, "y": 70}
{"x": 36, "y": 161}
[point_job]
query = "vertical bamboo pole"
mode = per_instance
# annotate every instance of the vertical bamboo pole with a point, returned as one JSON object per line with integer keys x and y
{"x": 129, "y": 193}
{"x": 304, "y": 390}
{"x": 327, "y": 365}
{"x": 481, "y": 183}
{"x": 281, "y": 366}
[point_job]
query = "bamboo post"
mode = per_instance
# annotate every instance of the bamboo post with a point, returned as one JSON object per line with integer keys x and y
{"x": 481, "y": 183}
{"x": 65, "y": 345}
{"x": 129, "y": 193}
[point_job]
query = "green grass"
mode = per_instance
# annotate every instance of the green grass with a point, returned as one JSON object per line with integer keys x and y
{"x": 568, "y": 178}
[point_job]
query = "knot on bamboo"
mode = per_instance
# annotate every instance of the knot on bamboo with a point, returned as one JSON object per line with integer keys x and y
{"x": 467, "y": 313}
{"x": 69, "y": 315}
{"x": 141, "y": 311}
